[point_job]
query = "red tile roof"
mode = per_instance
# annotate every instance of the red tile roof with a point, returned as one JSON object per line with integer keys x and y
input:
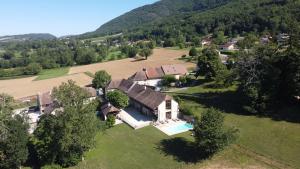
{"x": 154, "y": 73}
{"x": 174, "y": 70}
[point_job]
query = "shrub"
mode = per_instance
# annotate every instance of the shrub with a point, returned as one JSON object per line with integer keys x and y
{"x": 181, "y": 45}
{"x": 168, "y": 79}
{"x": 183, "y": 80}
{"x": 193, "y": 52}
{"x": 32, "y": 69}
{"x": 189, "y": 79}
{"x": 110, "y": 122}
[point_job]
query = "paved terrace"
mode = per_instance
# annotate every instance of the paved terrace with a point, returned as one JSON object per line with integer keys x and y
{"x": 134, "y": 118}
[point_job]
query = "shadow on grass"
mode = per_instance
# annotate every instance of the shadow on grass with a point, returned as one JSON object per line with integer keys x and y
{"x": 181, "y": 149}
{"x": 234, "y": 102}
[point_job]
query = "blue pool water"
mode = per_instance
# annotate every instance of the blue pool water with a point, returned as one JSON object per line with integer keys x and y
{"x": 180, "y": 128}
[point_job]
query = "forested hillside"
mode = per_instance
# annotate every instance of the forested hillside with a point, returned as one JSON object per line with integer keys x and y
{"x": 171, "y": 18}
{"x": 156, "y": 12}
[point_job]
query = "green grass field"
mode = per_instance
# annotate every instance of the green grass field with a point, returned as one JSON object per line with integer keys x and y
{"x": 52, "y": 73}
{"x": 148, "y": 148}
{"x": 276, "y": 139}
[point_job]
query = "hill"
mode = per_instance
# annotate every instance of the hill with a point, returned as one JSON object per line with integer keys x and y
{"x": 155, "y": 12}
{"x": 200, "y": 17}
{"x": 26, "y": 37}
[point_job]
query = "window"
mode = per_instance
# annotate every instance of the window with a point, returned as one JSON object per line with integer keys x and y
{"x": 168, "y": 104}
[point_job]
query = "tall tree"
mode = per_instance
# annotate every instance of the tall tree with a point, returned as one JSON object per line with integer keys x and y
{"x": 45, "y": 140}
{"x": 6, "y": 102}
{"x": 210, "y": 65}
{"x": 146, "y": 52}
{"x": 14, "y": 136}
{"x": 71, "y": 132}
{"x": 210, "y": 134}
{"x": 101, "y": 80}
{"x": 70, "y": 95}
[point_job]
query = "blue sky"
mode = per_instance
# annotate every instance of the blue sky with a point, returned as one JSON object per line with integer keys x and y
{"x": 60, "y": 17}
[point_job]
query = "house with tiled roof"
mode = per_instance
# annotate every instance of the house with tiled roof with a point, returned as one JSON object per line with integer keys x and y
{"x": 147, "y": 101}
{"x": 153, "y": 76}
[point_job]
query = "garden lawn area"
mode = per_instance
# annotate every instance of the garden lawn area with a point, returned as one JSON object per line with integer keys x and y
{"x": 271, "y": 137}
{"x": 148, "y": 148}
{"x": 52, "y": 73}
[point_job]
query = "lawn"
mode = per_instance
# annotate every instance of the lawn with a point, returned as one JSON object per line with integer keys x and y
{"x": 52, "y": 73}
{"x": 124, "y": 148}
{"x": 272, "y": 137}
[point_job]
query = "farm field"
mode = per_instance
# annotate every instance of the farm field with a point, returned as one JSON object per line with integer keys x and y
{"x": 119, "y": 69}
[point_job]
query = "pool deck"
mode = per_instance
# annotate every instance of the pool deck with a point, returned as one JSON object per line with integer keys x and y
{"x": 165, "y": 127}
{"x": 134, "y": 118}
{"x": 137, "y": 120}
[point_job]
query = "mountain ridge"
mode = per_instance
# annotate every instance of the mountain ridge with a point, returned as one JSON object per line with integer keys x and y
{"x": 155, "y": 12}
{"x": 26, "y": 37}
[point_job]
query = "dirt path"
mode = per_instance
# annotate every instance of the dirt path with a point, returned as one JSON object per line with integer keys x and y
{"x": 19, "y": 88}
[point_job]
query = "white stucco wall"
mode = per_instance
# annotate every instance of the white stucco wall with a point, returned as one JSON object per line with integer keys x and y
{"x": 161, "y": 116}
{"x": 162, "y": 111}
{"x": 175, "y": 109}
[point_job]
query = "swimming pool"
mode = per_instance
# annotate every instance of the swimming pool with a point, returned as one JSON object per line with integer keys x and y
{"x": 180, "y": 128}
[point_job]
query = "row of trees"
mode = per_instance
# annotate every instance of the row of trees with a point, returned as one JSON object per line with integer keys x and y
{"x": 49, "y": 54}
{"x": 31, "y": 69}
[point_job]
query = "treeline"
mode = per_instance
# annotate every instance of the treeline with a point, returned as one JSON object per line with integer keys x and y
{"x": 234, "y": 18}
{"x": 31, "y": 57}
{"x": 31, "y": 69}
